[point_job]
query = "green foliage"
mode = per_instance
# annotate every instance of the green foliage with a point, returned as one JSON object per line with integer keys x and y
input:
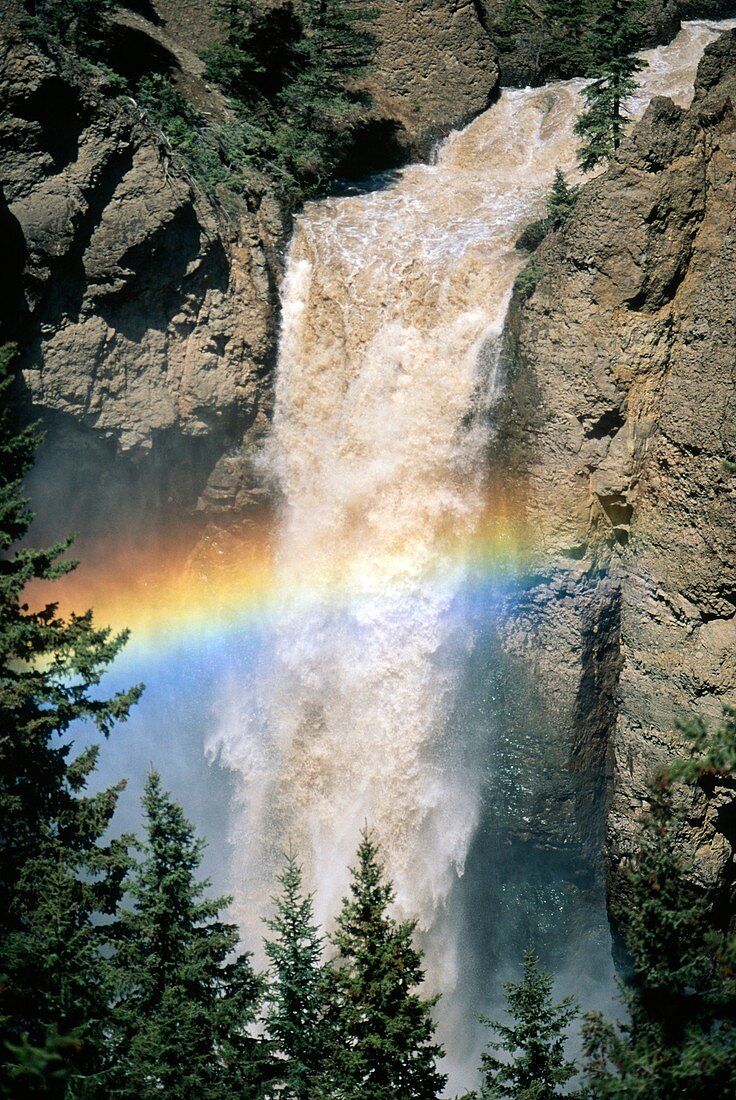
{"x": 386, "y": 1034}
{"x": 680, "y": 1039}
{"x": 560, "y": 202}
{"x": 515, "y": 21}
{"x": 297, "y": 1017}
{"x": 533, "y": 1064}
{"x": 292, "y": 85}
{"x": 665, "y": 917}
{"x": 552, "y": 37}
{"x": 184, "y": 1002}
{"x": 565, "y": 38}
{"x": 568, "y": 50}
{"x": 257, "y": 53}
{"x": 77, "y": 24}
{"x": 293, "y": 82}
{"x": 37, "y": 1070}
{"x": 213, "y": 154}
{"x": 56, "y": 874}
{"x": 712, "y": 752}
{"x": 613, "y": 35}
{"x": 528, "y": 278}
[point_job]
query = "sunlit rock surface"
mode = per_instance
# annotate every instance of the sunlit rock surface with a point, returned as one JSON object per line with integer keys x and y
{"x": 620, "y": 421}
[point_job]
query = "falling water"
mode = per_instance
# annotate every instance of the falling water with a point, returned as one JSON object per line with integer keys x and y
{"x": 393, "y": 308}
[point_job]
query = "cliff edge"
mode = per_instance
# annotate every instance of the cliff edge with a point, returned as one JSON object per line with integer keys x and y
{"x": 620, "y": 431}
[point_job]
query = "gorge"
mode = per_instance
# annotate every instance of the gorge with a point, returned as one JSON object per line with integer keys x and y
{"x": 474, "y": 556}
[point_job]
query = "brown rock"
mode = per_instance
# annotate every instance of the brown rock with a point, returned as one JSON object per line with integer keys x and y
{"x": 145, "y": 310}
{"x": 621, "y": 417}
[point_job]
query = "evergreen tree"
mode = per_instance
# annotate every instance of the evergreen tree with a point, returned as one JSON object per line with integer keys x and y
{"x": 321, "y": 105}
{"x": 386, "y": 1045}
{"x": 297, "y": 1017}
{"x": 293, "y": 77}
{"x": 560, "y": 200}
{"x": 680, "y": 1037}
{"x": 614, "y": 33}
{"x": 712, "y": 758}
{"x": 256, "y": 54}
{"x": 56, "y": 876}
{"x": 514, "y": 19}
{"x": 548, "y": 36}
{"x": 534, "y": 1066}
{"x": 567, "y": 50}
{"x": 184, "y": 1002}
{"x": 79, "y": 24}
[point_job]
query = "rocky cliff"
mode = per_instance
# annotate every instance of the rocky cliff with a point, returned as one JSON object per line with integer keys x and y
{"x": 144, "y": 316}
{"x": 620, "y": 432}
{"x": 435, "y": 68}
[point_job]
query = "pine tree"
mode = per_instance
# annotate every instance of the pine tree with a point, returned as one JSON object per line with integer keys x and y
{"x": 184, "y": 1002}
{"x": 560, "y": 200}
{"x": 323, "y": 102}
{"x": 535, "y": 1066}
{"x": 615, "y": 32}
{"x": 297, "y": 1017}
{"x": 387, "y": 1047}
{"x": 567, "y": 50}
{"x": 56, "y": 876}
{"x": 680, "y": 1036}
{"x": 256, "y": 54}
{"x": 79, "y": 24}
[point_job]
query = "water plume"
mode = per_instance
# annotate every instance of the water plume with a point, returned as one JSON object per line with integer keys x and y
{"x": 393, "y": 309}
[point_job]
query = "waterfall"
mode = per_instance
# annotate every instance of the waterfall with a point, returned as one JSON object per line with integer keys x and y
{"x": 393, "y": 309}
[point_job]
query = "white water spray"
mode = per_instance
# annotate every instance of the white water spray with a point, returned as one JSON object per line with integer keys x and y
{"x": 393, "y": 307}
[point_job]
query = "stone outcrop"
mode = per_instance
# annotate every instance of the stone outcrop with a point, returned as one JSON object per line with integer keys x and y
{"x": 141, "y": 311}
{"x": 435, "y": 69}
{"x": 620, "y": 432}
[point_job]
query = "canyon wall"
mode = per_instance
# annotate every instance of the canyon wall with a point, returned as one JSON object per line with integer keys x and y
{"x": 619, "y": 435}
{"x": 435, "y": 66}
{"x": 147, "y": 323}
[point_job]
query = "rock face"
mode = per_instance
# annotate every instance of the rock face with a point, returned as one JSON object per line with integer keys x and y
{"x": 620, "y": 425}
{"x": 145, "y": 316}
{"x": 435, "y": 69}
{"x": 140, "y": 312}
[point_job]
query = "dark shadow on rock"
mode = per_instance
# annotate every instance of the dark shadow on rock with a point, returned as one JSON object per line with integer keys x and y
{"x": 148, "y": 292}
{"x": 377, "y": 145}
{"x": 133, "y": 54}
{"x": 67, "y": 284}
{"x": 56, "y": 108}
{"x": 14, "y": 317}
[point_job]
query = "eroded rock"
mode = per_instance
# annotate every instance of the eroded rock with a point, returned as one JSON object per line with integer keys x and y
{"x": 620, "y": 426}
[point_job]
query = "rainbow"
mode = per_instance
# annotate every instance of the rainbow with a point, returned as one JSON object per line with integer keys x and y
{"x": 201, "y": 586}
